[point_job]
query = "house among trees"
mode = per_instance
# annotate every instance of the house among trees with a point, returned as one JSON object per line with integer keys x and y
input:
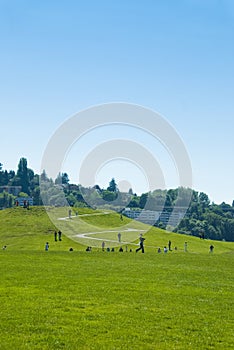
{"x": 23, "y": 201}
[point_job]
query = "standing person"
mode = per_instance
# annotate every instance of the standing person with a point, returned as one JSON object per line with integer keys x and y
{"x": 103, "y": 246}
{"x": 165, "y": 249}
{"x": 60, "y": 235}
{"x": 141, "y": 244}
{"x": 119, "y": 237}
{"x": 69, "y": 213}
{"x": 169, "y": 245}
{"x": 185, "y": 246}
{"x": 47, "y": 246}
{"x": 211, "y": 248}
{"x": 55, "y": 236}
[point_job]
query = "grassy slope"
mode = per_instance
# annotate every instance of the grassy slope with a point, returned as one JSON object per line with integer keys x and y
{"x": 98, "y": 300}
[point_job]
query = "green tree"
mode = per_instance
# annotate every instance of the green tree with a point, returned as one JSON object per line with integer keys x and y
{"x": 24, "y": 175}
{"x": 112, "y": 186}
{"x": 109, "y": 196}
{"x": 143, "y": 200}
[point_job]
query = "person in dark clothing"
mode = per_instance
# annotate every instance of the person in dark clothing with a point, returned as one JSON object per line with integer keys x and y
{"x": 141, "y": 245}
{"x": 169, "y": 245}
{"x": 211, "y": 248}
{"x": 60, "y": 235}
{"x": 55, "y": 236}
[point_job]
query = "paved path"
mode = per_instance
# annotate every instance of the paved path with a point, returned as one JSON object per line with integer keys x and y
{"x": 86, "y": 235}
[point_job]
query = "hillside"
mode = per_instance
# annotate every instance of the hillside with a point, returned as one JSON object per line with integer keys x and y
{"x": 78, "y": 300}
{"x": 23, "y": 229}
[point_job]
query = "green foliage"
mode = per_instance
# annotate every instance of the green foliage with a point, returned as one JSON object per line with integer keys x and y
{"x": 109, "y": 195}
{"x": 112, "y": 186}
{"x": 6, "y": 200}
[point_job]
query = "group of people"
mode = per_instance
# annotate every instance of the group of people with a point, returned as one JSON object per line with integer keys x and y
{"x": 108, "y": 249}
{"x": 57, "y": 236}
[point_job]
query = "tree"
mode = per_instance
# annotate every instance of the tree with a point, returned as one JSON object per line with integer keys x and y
{"x": 112, "y": 186}
{"x": 58, "y": 180}
{"x": 65, "y": 179}
{"x": 23, "y": 175}
{"x": 44, "y": 177}
{"x": 203, "y": 200}
{"x": 109, "y": 196}
{"x": 143, "y": 200}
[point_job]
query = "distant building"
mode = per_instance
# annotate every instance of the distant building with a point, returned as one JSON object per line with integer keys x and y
{"x": 23, "y": 201}
{"x": 146, "y": 216}
{"x": 14, "y": 190}
{"x": 152, "y": 217}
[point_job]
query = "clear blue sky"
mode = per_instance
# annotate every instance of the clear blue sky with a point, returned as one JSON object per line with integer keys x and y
{"x": 175, "y": 57}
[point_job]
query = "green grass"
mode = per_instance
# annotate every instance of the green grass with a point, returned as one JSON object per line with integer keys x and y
{"x": 99, "y": 300}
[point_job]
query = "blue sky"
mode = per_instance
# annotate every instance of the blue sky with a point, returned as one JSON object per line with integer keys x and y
{"x": 175, "y": 57}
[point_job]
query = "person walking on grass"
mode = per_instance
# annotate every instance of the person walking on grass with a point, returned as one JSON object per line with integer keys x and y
{"x": 55, "y": 236}
{"x": 141, "y": 244}
{"x": 119, "y": 237}
{"x": 47, "y": 246}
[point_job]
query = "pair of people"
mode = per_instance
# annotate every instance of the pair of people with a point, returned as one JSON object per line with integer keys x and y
{"x": 59, "y": 234}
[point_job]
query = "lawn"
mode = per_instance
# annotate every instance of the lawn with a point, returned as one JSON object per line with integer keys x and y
{"x": 99, "y": 300}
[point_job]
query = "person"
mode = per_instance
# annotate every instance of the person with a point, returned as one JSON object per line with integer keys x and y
{"x": 69, "y": 213}
{"x": 112, "y": 249}
{"x": 185, "y": 246}
{"x": 108, "y": 249}
{"x": 121, "y": 217}
{"x": 4, "y": 247}
{"x": 71, "y": 249}
{"x": 88, "y": 249}
{"x": 211, "y": 248}
{"x": 103, "y": 246}
{"x": 159, "y": 250}
{"x": 55, "y": 236}
{"x": 165, "y": 249}
{"x": 120, "y": 249}
{"x": 169, "y": 245}
{"x": 60, "y": 235}
{"x": 76, "y": 213}
{"x": 141, "y": 244}
{"x": 47, "y": 246}
{"x": 119, "y": 237}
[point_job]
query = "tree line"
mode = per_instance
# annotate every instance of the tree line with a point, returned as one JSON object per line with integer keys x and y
{"x": 203, "y": 218}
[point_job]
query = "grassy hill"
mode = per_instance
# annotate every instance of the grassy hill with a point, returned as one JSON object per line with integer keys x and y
{"x": 99, "y": 300}
{"x": 30, "y": 229}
